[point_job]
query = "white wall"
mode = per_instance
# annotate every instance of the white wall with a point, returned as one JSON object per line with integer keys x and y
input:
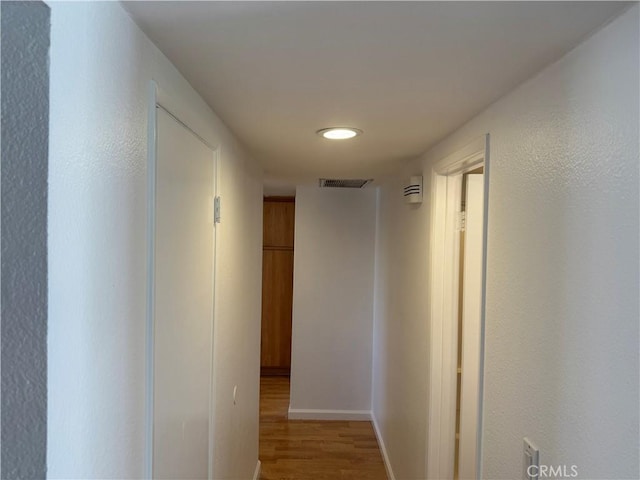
{"x": 400, "y": 339}
{"x": 333, "y": 299}
{"x": 101, "y": 65}
{"x": 561, "y": 363}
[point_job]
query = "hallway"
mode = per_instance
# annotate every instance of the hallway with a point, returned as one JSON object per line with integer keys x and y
{"x": 318, "y": 450}
{"x": 147, "y": 135}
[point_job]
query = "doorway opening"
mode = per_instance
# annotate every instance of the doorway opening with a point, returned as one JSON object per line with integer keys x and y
{"x": 458, "y": 252}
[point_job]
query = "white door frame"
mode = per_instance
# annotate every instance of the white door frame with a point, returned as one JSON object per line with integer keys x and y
{"x": 443, "y": 328}
{"x": 157, "y": 98}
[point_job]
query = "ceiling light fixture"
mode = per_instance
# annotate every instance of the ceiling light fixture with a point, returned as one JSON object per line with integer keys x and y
{"x": 339, "y": 133}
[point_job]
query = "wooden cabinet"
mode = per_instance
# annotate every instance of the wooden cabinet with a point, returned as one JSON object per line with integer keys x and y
{"x": 278, "y": 223}
{"x": 277, "y": 285}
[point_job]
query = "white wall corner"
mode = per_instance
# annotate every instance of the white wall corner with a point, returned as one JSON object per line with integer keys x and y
{"x": 315, "y": 414}
{"x": 256, "y": 472}
{"x": 383, "y": 449}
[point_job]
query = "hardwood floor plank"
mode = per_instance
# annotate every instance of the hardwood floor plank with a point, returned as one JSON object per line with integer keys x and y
{"x": 311, "y": 449}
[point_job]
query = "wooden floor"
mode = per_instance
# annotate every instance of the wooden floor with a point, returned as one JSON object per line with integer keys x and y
{"x": 312, "y": 450}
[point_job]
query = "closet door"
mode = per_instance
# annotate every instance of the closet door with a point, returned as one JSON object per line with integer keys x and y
{"x": 183, "y": 302}
{"x": 277, "y": 285}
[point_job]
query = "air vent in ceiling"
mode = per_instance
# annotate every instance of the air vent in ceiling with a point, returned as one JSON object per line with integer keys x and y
{"x": 343, "y": 183}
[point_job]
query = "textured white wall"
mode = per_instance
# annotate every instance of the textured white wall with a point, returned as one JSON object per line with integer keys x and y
{"x": 101, "y": 65}
{"x": 333, "y": 299}
{"x": 561, "y": 363}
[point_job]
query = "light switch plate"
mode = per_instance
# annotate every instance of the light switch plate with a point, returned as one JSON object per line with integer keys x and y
{"x": 531, "y": 461}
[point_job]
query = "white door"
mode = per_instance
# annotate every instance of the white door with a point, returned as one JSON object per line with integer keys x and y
{"x": 183, "y": 302}
{"x": 471, "y": 328}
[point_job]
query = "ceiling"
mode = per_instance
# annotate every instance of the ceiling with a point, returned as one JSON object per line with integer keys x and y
{"x": 407, "y": 73}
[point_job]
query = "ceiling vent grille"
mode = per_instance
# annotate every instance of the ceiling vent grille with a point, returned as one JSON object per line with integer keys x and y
{"x": 343, "y": 183}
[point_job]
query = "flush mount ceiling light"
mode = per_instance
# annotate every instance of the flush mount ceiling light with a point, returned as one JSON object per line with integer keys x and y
{"x": 339, "y": 133}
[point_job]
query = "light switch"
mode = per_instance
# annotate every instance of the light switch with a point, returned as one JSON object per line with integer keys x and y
{"x": 531, "y": 461}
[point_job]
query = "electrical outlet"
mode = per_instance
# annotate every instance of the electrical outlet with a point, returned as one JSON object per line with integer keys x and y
{"x": 531, "y": 461}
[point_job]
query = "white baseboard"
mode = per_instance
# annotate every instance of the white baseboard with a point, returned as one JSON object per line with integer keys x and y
{"x": 256, "y": 473}
{"x": 383, "y": 449}
{"x": 311, "y": 414}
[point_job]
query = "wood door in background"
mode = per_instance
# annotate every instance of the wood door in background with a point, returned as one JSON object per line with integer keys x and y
{"x": 277, "y": 285}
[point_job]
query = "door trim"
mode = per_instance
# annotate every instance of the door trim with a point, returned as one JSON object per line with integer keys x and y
{"x": 443, "y": 292}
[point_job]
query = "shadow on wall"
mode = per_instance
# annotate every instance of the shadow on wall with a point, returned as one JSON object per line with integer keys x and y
{"x": 25, "y": 137}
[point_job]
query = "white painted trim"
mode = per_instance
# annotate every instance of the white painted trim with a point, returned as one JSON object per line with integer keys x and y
{"x": 313, "y": 414}
{"x": 444, "y": 305}
{"x": 256, "y": 472}
{"x": 467, "y": 158}
{"x": 183, "y": 114}
{"x": 438, "y": 189}
{"x": 485, "y": 242}
{"x": 152, "y": 98}
{"x": 383, "y": 449}
{"x": 217, "y": 166}
{"x": 450, "y": 292}
{"x": 443, "y": 313}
